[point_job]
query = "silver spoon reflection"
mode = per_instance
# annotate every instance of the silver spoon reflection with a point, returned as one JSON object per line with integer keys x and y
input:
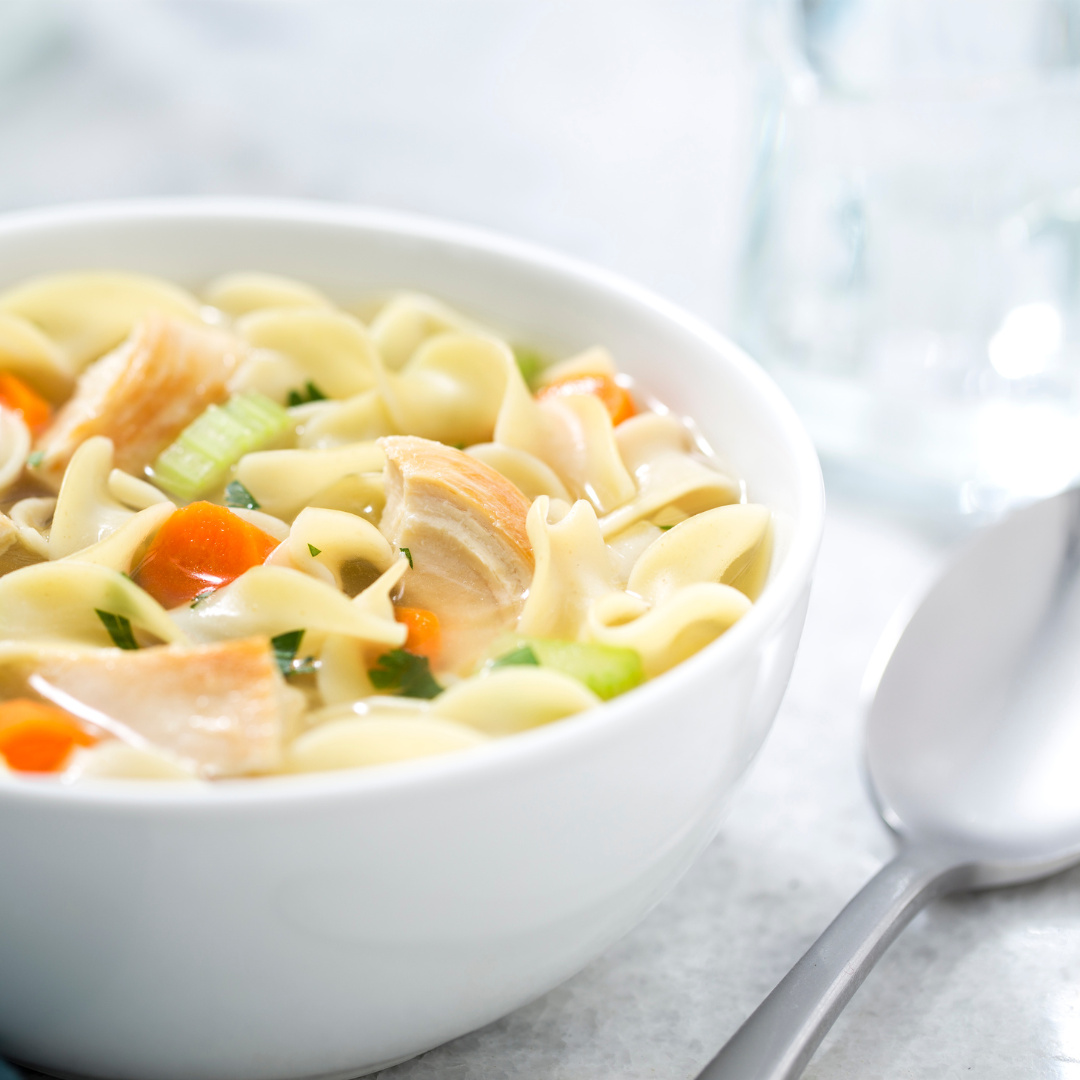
{"x": 973, "y": 759}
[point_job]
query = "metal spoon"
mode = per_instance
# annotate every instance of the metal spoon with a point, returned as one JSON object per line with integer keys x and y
{"x": 972, "y": 757}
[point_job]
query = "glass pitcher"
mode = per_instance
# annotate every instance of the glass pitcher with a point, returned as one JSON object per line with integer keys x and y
{"x": 911, "y": 275}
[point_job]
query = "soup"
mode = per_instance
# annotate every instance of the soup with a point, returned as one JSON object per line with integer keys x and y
{"x": 253, "y": 533}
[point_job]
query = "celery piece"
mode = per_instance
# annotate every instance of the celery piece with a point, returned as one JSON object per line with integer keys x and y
{"x": 214, "y": 441}
{"x": 531, "y": 365}
{"x": 607, "y": 670}
{"x": 264, "y": 418}
{"x": 183, "y": 471}
{"x": 515, "y": 657}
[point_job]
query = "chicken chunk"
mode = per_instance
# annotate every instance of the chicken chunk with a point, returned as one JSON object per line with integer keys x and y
{"x": 221, "y": 709}
{"x": 463, "y": 525}
{"x": 142, "y": 394}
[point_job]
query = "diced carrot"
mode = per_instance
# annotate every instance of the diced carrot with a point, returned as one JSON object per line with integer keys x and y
{"x": 17, "y": 396}
{"x": 616, "y": 399}
{"x": 424, "y": 637}
{"x": 200, "y": 548}
{"x": 35, "y": 737}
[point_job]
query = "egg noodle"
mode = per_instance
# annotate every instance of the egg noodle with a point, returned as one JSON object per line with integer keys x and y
{"x": 254, "y": 533}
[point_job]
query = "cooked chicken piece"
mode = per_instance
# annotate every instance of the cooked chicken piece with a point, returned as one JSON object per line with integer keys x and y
{"x": 221, "y": 709}
{"x": 463, "y": 525}
{"x": 142, "y": 394}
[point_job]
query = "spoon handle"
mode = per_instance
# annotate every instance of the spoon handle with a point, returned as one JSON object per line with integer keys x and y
{"x": 780, "y": 1037}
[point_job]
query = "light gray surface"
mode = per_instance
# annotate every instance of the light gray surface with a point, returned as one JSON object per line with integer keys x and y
{"x": 621, "y": 133}
{"x": 616, "y": 131}
{"x": 970, "y": 751}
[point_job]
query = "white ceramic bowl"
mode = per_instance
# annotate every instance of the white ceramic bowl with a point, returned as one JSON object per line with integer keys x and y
{"x": 327, "y": 925}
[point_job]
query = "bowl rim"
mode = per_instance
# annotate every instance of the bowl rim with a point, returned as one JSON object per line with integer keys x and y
{"x": 526, "y": 749}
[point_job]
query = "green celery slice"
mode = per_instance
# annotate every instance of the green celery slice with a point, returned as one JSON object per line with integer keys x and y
{"x": 183, "y": 471}
{"x": 516, "y": 657}
{"x": 263, "y": 417}
{"x": 607, "y": 670}
{"x": 215, "y": 434}
{"x": 531, "y": 365}
{"x": 214, "y": 441}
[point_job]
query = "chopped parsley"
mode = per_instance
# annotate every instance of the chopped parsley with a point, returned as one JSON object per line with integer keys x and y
{"x": 285, "y": 647}
{"x": 664, "y": 528}
{"x": 405, "y": 672}
{"x": 200, "y": 597}
{"x": 408, "y": 555}
{"x": 119, "y": 629}
{"x": 314, "y": 550}
{"x": 35, "y": 459}
{"x": 310, "y": 392}
{"x": 521, "y": 655}
{"x": 238, "y": 496}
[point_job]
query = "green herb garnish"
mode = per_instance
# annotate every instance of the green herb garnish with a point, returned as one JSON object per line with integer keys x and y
{"x": 119, "y": 629}
{"x": 408, "y": 674}
{"x": 310, "y": 392}
{"x": 521, "y": 655}
{"x": 285, "y": 647}
{"x": 238, "y": 496}
{"x": 35, "y": 459}
{"x": 198, "y": 598}
{"x": 314, "y": 550}
{"x": 408, "y": 555}
{"x": 664, "y": 528}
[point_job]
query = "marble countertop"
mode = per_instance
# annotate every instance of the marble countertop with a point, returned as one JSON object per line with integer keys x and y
{"x": 624, "y": 134}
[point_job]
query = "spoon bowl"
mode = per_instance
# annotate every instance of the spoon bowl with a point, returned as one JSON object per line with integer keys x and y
{"x": 973, "y": 716}
{"x": 972, "y": 758}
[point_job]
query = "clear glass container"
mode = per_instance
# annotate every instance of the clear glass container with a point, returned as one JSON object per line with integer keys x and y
{"x": 912, "y": 270}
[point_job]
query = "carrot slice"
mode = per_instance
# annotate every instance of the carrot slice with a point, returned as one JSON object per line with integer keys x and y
{"x": 17, "y": 396}
{"x": 35, "y": 737}
{"x": 616, "y": 399}
{"x": 198, "y": 549}
{"x": 424, "y": 636}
